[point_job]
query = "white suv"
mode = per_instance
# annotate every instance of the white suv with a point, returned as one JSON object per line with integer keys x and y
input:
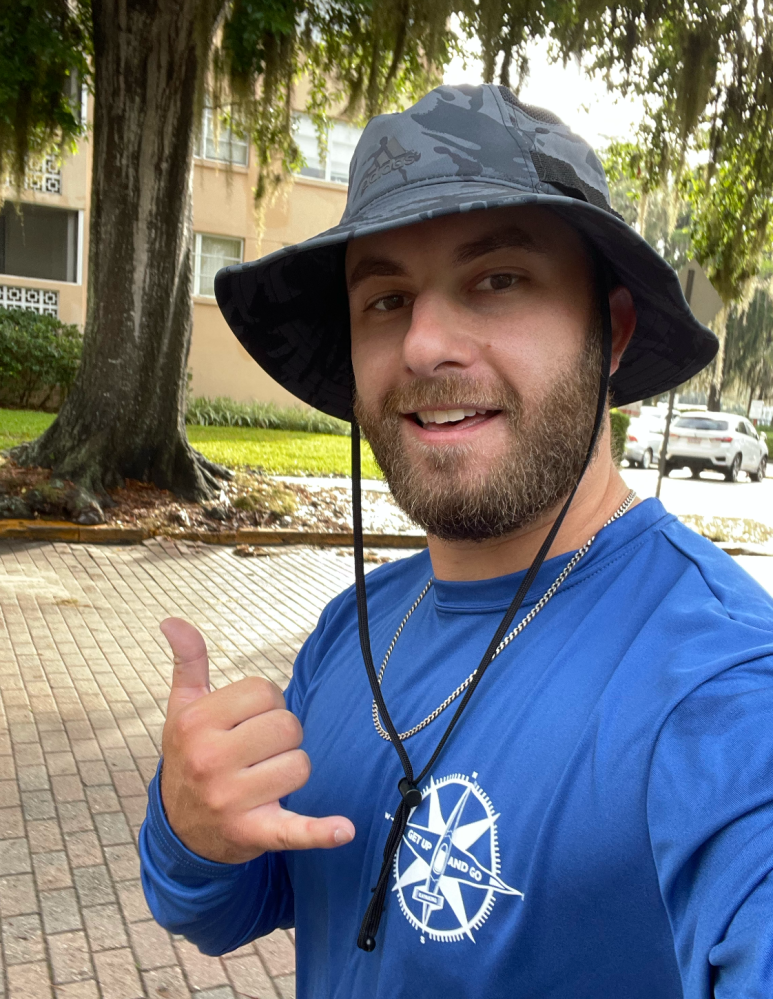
{"x": 722, "y": 442}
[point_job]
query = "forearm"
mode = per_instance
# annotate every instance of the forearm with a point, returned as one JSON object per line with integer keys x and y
{"x": 217, "y": 906}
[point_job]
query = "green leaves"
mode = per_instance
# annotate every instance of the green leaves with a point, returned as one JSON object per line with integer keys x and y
{"x": 44, "y": 51}
{"x": 704, "y": 68}
{"x": 223, "y": 412}
{"x": 38, "y": 354}
{"x": 361, "y": 56}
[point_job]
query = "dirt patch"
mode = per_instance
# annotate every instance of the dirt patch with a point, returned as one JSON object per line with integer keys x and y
{"x": 250, "y": 499}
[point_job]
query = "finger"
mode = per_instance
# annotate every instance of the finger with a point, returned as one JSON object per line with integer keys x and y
{"x": 264, "y": 736}
{"x": 279, "y": 829}
{"x": 272, "y": 779}
{"x": 190, "y": 678}
{"x": 230, "y": 706}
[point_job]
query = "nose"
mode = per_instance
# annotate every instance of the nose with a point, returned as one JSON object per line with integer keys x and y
{"x": 436, "y": 339}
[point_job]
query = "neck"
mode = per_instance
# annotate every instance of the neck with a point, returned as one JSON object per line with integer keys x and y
{"x": 600, "y": 493}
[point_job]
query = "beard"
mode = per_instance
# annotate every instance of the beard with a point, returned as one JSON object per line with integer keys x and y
{"x": 441, "y": 486}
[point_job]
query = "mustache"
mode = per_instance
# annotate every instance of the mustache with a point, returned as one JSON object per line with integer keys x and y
{"x": 450, "y": 390}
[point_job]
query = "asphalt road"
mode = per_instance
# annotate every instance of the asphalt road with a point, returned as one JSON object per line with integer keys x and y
{"x": 708, "y": 496}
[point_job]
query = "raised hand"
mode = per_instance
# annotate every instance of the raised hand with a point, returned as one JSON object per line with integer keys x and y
{"x": 229, "y": 756}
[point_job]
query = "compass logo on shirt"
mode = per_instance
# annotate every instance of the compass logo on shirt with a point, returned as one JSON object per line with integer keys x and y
{"x": 447, "y": 865}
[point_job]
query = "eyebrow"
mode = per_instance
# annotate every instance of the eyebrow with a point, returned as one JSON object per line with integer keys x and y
{"x": 511, "y": 238}
{"x": 375, "y": 267}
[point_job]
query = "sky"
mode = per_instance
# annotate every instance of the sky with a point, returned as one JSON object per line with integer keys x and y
{"x": 581, "y": 102}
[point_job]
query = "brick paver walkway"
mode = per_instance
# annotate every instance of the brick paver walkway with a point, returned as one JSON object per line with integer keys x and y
{"x": 84, "y": 678}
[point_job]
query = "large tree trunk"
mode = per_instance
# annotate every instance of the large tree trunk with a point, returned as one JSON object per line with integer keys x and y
{"x": 125, "y": 415}
{"x": 719, "y": 326}
{"x": 751, "y": 398}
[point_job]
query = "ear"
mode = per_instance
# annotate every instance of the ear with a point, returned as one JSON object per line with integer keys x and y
{"x": 622, "y": 312}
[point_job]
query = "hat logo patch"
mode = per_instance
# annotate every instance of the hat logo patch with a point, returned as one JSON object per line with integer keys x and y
{"x": 389, "y": 156}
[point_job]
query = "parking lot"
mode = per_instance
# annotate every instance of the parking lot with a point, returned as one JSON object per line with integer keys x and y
{"x": 708, "y": 496}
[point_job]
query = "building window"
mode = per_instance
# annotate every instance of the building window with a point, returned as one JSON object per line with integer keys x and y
{"x": 223, "y": 146}
{"x": 39, "y": 242}
{"x": 40, "y": 300}
{"x": 78, "y": 96}
{"x": 341, "y": 141}
{"x": 212, "y": 253}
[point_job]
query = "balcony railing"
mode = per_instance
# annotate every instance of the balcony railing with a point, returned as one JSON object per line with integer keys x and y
{"x": 40, "y": 300}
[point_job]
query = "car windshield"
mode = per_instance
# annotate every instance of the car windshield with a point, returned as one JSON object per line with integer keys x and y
{"x": 700, "y": 423}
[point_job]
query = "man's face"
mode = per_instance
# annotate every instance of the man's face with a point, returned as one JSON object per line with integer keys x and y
{"x": 476, "y": 353}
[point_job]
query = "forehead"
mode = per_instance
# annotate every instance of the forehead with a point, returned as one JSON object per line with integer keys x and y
{"x": 530, "y": 228}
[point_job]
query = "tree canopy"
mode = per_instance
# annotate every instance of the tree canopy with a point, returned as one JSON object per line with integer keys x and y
{"x": 705, "y": 71}
{"x": 703, "y": 67}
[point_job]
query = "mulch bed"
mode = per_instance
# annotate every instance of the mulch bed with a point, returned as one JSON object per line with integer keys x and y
{"x": 250, "y": 500}
{"x": 253, "y": 499}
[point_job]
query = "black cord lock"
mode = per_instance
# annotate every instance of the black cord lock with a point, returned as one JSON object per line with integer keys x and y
{"x": 411, "y": 794}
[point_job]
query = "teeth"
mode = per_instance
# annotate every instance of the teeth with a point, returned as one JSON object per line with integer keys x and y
{"x": 447, "y": 415}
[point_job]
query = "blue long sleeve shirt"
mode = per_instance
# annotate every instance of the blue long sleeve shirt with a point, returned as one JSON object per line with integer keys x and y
{"x": 600, "y": 824}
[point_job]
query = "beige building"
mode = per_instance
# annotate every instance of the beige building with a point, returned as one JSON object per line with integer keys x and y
{"x": 44, "y": 247}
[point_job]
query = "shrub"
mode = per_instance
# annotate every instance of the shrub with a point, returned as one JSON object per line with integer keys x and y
{"x": 619, "y": 424}
{"x": 39, "y": 356}
{"x": 222, "y": 412}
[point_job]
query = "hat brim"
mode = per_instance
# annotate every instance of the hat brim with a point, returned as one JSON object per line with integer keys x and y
{"x": 290, "y": 310}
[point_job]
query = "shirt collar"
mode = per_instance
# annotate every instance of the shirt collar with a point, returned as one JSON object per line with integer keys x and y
{"x": 481, "y": 595}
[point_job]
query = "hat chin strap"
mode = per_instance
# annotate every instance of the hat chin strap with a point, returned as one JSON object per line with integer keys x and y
{"x": 410, "y": 795}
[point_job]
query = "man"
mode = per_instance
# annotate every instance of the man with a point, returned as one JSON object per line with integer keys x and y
{"x": 587, "y": 810}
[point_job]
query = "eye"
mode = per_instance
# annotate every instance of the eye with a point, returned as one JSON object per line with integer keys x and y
{"x": 497, "y": 282}
{"x": 389, "y": 303}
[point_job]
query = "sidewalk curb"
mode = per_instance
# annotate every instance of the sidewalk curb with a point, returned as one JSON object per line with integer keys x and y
{"x": 740, "y": 548}
{"x": 59, "y": 530}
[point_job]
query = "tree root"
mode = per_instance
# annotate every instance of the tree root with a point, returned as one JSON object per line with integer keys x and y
{"x": 92, "y": 469}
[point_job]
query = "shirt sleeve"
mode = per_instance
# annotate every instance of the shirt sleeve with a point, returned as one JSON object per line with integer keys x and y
{"x": 710, "y": 813}
{"x": 219, "y": 907}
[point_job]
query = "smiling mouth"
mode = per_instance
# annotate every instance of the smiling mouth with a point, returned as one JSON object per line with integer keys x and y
{"x": 452, "y": 418}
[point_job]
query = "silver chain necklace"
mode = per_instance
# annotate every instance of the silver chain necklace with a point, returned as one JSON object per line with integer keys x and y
{"x": 624, "y": 506}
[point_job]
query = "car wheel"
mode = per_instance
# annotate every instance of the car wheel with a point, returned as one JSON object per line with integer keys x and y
{"x": 731, "y": 474}
{"x": 668, "y": 469}
{"x": 695, "y": 473}
{"x": 759, "y": 475}
{"x": 646, "y": 459}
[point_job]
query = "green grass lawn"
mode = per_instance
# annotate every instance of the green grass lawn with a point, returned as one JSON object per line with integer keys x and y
{"x": 17, "y": 425}
{"x": 281, "y": 452}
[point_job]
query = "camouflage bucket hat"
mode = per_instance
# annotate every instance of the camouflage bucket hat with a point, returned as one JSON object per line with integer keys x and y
{"x": 459, "y": 149}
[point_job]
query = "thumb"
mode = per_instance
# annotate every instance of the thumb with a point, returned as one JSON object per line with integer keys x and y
{"x": 190, "y": 679}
